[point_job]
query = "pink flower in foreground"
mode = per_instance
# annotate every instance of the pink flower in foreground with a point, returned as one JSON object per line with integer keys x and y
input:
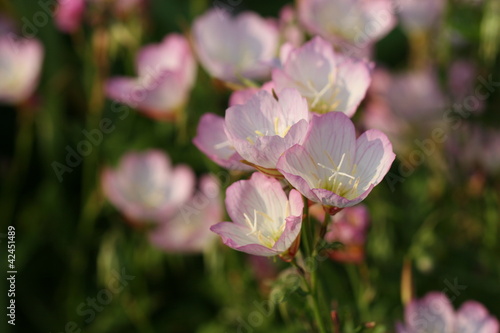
{"x": 357, "y": 22}
{"x": 166, "y": 74}
{"x": 145, "y": 187}
{"x": 417, "y": 15}
{"x": 212, "y": 140}
{"x": 69, "y": 15}
{"x": 20, "y": 66}
{"x": 434, "y": 313}
{"x": 265, "y": 221}
{"x": 329, "y": 81}
{"x": 189, "y": 230}
{"x": 232, "y": 48}
{"x": 263, "y": 128}
{"x": 334, "y": 168}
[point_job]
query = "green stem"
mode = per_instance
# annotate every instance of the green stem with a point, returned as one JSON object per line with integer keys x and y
{"x": 355, "y": 282}
{"x": 311, "y": 298}
{"x": 305, "y": 230}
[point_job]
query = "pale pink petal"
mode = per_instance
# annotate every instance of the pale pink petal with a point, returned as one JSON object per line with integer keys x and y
{"x": 354, "y": 78}
{"x": 374, "y": 157}
{"x": 212, "y": 140}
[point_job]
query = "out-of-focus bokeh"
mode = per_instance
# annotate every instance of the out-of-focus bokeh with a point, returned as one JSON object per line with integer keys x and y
{"x": 107, "y": 153}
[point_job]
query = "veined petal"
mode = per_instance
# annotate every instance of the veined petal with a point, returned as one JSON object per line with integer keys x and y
{"x": 374, "y": 157}
{"x": 212, "y": 140}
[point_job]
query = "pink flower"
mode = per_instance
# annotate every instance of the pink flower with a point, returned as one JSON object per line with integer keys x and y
{"x": 355, "y": 22}
{"x": 69, "y": 15}
{"x": 20, "y": 65}
{"x": 329, "y": 81}
{"x": 189, "y": 230}
{"x": 331, "y": 167}
{"x": 265, "y": 221}
{"x": 263, "y": 128}
{"x": 234, "y": 48}
{"x": 166, "y": 74}
{"x": 212, "y": 140}
{"x": 434, "y": 313}
{"x": 145, "y": 187}
{"x": 418, "y": 15}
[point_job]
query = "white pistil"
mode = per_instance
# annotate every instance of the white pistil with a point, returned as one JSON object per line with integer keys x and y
{"x": 338, "y": 187}
{"x": 222, "y": 145}
{"x": 253, "y": 226}
{"x": 266, "y": 240}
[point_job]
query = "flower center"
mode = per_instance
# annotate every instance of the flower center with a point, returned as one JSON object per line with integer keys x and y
{"x": 266, "y": 236}
{"x": 277, "y": 131}
{"x": 337, "y": 180}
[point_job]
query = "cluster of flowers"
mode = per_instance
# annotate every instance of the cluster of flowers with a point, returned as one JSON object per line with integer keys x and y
{"x": 294, "y": 130}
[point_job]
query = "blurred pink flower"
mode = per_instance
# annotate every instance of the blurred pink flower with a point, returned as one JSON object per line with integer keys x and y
{"x": 212, "y": 140}
{"x": 233, "y": 48}
{"x": 355, "y": 24}
{"x": 265, "y": 221}
{"x": 167, "y": 72}
{"x": 334, "y": 168}
{"x": 263, "y": 128}
{"x": 145, "y": 187}
{"x": 329, "y": 81}
{"x": 289, "y": 27}
{"x": 20, "y": 65}
{"x": 419, "y": 15}
{"x": 189, "y": 230}
{"x": 349, "y": 227}
{"x": 415, "y": 95}
{"x": 404, "y": 106}
{"x": 69, "y": 15}
{"x": 462, "y": 81}
{"x": 475, "y": 147}
{"x": 434, "y": 313}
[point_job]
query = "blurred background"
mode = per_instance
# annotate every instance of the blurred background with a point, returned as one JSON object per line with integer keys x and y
{"x": 434, "y": 221}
